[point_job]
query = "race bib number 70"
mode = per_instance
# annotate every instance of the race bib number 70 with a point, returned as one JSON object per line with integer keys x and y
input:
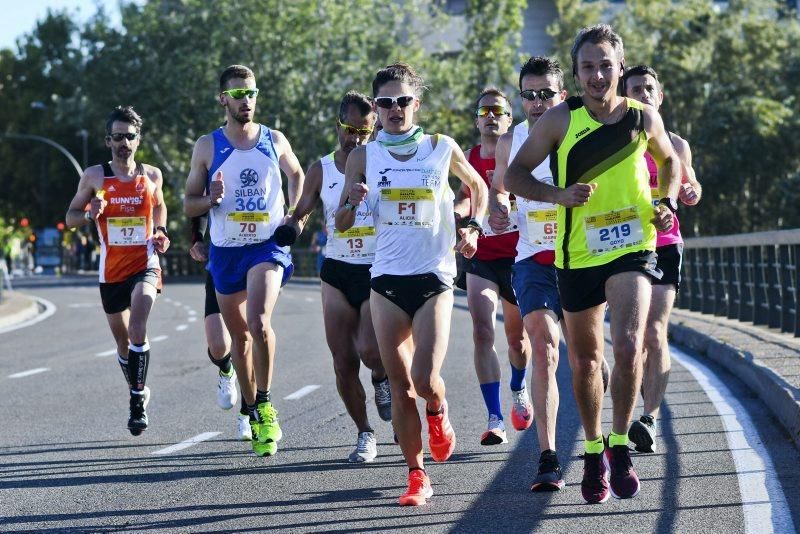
{"x": 247, "y": 226}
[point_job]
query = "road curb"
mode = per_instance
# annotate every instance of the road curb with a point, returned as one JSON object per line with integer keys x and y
{"x": 763, "y": 381}
{"x": 28, "y": 308}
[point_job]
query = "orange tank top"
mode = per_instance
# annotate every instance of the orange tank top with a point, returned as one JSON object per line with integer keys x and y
{"x": 126, "y": 226}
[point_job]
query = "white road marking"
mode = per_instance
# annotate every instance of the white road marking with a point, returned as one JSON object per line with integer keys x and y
{"x": 185, "y": 444}
{"x": 309, "y": 299}
{"x": 158, "y": 338}
{"x": 176, "y": 303}
{"x": 763, "y": 502}
{"x": 302, "y": 392}
{"x": 84, "y": 305}
{"x": 167, "y": 299}
{"x": 49, "y": 309}
{"x": 192, "y": 312}
{"x": 181, "y": 327}
{"x": 29, "y": 372}
{"x": 192, "y": 319}
{"x": 106, "y": 353}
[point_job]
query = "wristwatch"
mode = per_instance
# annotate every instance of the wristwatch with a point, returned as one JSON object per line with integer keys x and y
{"x": 163, "y": 230}
{"x": 670, "y": 203}
{"x": 473, "y": 223}
{"x": 349, "y": 206}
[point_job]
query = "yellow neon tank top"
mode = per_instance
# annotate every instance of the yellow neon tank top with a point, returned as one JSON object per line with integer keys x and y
{"x": 617, "y": 219}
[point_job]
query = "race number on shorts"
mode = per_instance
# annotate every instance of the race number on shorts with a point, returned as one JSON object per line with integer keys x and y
{"x": 126, "y": 231}
{"x": 247, "y": 226}
{"x": 613, "y": 230}
{"x": 409, "y": 207}
{"x": 357, "y": 242}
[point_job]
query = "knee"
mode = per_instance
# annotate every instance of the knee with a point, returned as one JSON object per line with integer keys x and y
{"x": 627, "y": 350}
{"x": 371, "y": 358}
{"x": 240, "y": 342}
{"x": 654, "y": 334}
{"x": 588, "y": 364}
{"x": 259, "y": 327}
{"x": 423, "y": 384}
{"x": 345, "y": 366}
{"x": 483, "y": 334}
{"x": 545, "y": 354}
{"x": 515, "y": 343}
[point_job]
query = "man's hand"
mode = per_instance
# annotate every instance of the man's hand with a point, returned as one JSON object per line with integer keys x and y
{"x": 160, "y": 242}
{"x": 662, "y": 219}
{"x": 199, "y": 252}
{"x": 468, "y": 244}
{"x": 216, "y": 190}
{"x": 358, "y": 193}
{"x": 499, "y": 219}
{"x": 98, "y": 204}
{"x": 575, "y": 195}
{"x": 688, "y": 195}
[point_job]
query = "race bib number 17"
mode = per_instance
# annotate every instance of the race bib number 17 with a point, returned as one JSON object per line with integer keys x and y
{"x": 126, "y": 231}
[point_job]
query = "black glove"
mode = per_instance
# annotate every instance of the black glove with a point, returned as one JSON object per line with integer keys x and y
{"x": 285, "y": 235}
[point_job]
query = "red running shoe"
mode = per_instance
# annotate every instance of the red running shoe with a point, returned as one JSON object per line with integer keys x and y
{"x": 441, "y": 437}
{"x": 419, "y": 489}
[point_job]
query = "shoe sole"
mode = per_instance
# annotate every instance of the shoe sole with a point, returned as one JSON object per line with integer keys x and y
{"x": 605, "y": 499}
{"x": 493, "y": 439}
{"x": 266, "y": 452}
{"x": 417, "y": 500}
{"x": 521, "y": 424}
{"x": 543, "y": 487}
{"x": 640, "y": 437}
{"x": 360, "y": 460}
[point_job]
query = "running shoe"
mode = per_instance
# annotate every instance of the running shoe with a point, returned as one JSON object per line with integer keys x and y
{"x": 244, "y": 431}
{"x": 383, "y": 399}
{"x": 594, "y": 486}
{"x": 226, "y": 390}
{"x": 606, "y": 370}
{"x": 521, "y": 409}
{"x": 419, "y": 489}
{"x": 268, "y": 428}
{"x": 366, "y": 449}
{"x": 137, "y": 421}
{"x": 441, "y": 437}
{"x": 549, "y": 476}
{"x": 643, "y": 434}
{"x": 624, "y": 482}
{"x": 495, "y": 432}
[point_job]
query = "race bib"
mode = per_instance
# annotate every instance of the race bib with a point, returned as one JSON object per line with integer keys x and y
{"x": 247, "y": 226}
{"x": 512, "y": 215}
{"x": 409, "y": 207}
{"x": 655, "y": 195}
{"x": 613, "y": 230}
{"x": 126, "y": 231}
{"x": 357, "y": 242}
{"x": 542, "y": 227}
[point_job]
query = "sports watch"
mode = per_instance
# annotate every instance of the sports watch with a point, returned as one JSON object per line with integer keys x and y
{"x": 670, "y": 203}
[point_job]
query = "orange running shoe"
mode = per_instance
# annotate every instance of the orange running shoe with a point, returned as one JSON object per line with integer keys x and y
{"x": 521, "y": 409}
{"x": 419, "y": 489}
{"x": 441, "y": 437}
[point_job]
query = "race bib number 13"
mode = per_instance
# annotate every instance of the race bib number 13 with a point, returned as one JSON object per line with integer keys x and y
{"x": 126, "y": 231}
{"x": 409, "y": 207}
{"x": 613, "y": 230}
{"x": 357, "y": 242}
{"x": 247, "y": 226}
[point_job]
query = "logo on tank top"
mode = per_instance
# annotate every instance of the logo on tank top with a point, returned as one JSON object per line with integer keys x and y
{"x": 249, "y": 177}
{"x": 582, "y": 132}
{"x": 332, "y": 185}
{"x": 384, "y": 182}
{"x": 139, "y": 187}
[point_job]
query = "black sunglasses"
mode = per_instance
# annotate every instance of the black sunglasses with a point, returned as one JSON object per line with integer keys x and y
{"x": 542, "y": 94}
{"x": 117, "y": 137}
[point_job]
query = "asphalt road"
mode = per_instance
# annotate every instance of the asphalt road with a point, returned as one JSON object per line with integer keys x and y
{"x": 68, "y": 463}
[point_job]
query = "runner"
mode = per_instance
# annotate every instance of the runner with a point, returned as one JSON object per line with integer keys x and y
{"x": 402, "y": 177}
{"x": 239, "y": 164}
{"x": 605, "y": 244}
{"x": 488, "y": 280}
{"x": 126, "y": 203}
{"x": 217, "y": 336}
{"x": 641, "y": 83}
{"x": 345, "y": 276}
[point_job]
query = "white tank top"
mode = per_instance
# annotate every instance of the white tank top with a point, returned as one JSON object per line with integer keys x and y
{"x": 356, "y": 245}
{"x": 253, "y": 204}
{"x": 412, "y": 205}
{"x": 536, "y": 220}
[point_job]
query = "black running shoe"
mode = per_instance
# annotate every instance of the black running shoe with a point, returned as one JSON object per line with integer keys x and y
{"x": 549, "y": 477}
{"x": 643, "y": 434}
{"x": 137, "y": 422}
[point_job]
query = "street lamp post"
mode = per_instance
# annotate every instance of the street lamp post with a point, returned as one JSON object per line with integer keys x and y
{"x": 84, "y": 135}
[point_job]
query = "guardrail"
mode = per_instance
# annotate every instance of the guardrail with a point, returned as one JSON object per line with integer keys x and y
{"x": 749, "y": 277}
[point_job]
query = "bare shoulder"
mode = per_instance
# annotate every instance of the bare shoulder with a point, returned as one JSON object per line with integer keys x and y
{"x": 680, "y": 144}
{"x": 204, "y": 147}
{"x": 153, "y": 172}
{"x": 279, "y": 139}
{"x": 314, "y": 170}
{"x": 93, "y": 177}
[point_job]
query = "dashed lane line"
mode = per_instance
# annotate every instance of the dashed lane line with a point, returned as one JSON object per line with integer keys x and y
{"x": 185, "y": 444}
{"x": 29, "y": 372}
{"x": 302, "y": 392}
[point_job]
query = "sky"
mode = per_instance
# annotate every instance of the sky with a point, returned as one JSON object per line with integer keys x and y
{"x": 20, "y": 16}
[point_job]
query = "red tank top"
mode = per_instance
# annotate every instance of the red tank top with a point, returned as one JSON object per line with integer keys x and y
{"x": 126, "y": 227}
{"x": 497, "y": 246}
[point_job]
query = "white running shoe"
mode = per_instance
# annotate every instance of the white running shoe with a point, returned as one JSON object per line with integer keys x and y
{"x": 495, "y": 432}
{"x": 366, "y": 449}
{"x": 226, "y": 390}
{"x": 245, "y": 433}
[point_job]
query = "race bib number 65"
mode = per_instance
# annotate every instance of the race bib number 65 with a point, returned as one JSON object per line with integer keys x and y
{"x": 409, "y": 207}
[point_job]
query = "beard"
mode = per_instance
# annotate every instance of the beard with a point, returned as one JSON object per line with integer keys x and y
{"x": 237, "y": 116}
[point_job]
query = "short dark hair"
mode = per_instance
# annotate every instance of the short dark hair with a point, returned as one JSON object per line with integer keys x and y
{"x": 360, "y": 101}
{"x": 597, "y": 34}
{"x": 639, "y": 70}
{"x": 492, "y": 90}
{"x": 124, "y": 114}
{"x": 234, "y": 71}
{"x": 542, "y": 66}
{"x": 398, "y": 72}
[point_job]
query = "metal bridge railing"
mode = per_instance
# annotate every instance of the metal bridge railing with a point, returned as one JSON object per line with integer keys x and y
{"x": 749, "y": 277}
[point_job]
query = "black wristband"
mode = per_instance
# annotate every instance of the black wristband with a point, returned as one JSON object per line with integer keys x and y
{"x": 163, "y": 230}
{"x": 473, "y": 223}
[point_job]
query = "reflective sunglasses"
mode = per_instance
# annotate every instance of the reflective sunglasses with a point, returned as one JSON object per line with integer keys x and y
{"x": 130, "y": 136}
{"x": 542, "y": 94}
{"x": 354, "y": 130}
{"x": 238, "y": 94}
{"x": 387, "y": 102}
{"x": 484, "y": 111}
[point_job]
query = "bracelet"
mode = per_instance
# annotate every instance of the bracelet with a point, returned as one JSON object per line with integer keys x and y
{"x": 348, "y": 206}
{"x": 473, "y": 223}
{"x": 163, "y": 230}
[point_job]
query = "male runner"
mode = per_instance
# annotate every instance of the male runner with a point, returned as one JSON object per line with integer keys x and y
{"x": 605, "y": 245}
{"x": 641, "y": 83}
{"x": 345, "y": 276}
{"x": 126, "y": 204}
{"x": 488, "y": 278}
{"x": 239, "y": 164}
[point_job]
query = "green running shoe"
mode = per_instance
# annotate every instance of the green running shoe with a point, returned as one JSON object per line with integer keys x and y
{"x": 264, "y": 449}
{"x": 268, "y": 428}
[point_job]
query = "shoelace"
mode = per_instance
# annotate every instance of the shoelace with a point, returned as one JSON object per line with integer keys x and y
{"x": 267, "y": 414}
{"x": 592, "y": 464}
{"x": 495, "y": 423}
{"x": 548, "y": 464}
{"x": 520, "y": 399}
{"x": 362, "y": 445}
{"x": 416, "y": 484}
{"x": 622, "y": 460}
{"x": 383, "y": 394}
